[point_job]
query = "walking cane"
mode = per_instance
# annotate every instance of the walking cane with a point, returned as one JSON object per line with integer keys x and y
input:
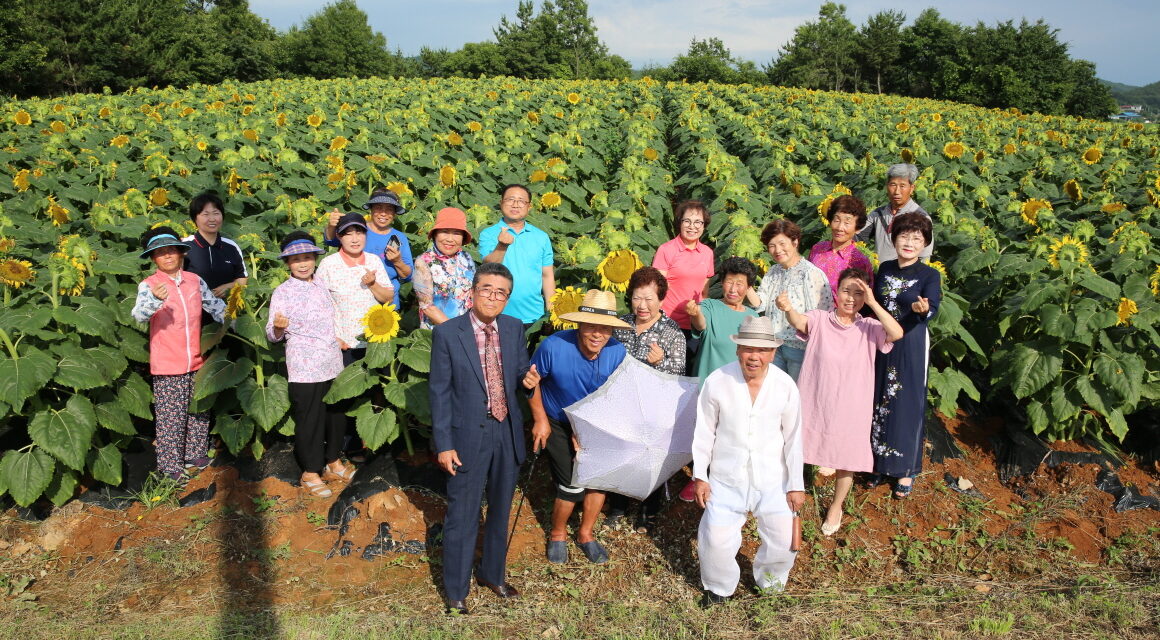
{"x": 523, "y": 495}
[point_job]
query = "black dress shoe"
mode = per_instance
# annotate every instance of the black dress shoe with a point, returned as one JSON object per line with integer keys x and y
{"x": 710, "y": 599}
{"x": 457, "y": 607}
{"x": 504, "y": 590}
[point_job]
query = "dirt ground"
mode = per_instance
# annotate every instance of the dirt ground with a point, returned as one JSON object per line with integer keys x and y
{"x": 266, "y": 544}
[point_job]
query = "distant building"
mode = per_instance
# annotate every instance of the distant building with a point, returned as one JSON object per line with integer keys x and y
{"x": 1126, "y": 115}
{"x": 1133, "y": 108}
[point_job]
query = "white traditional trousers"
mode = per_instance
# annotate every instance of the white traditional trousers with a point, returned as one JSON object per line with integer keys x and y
{"x": 719, "y": 538}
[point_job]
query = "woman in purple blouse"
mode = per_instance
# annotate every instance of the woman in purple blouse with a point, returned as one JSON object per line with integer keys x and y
{"x": 301, "y": 312}
{"x": 847, "y": 214}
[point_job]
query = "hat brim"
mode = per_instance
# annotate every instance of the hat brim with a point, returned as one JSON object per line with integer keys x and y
{"x": 399, "y": 208}
{"x": 314, "y": 250}
{"x": 595, "y": 318}
{"x": 361, "y": 225}
{"x": 181, "y": 245}
{"x": 760, "y": 343}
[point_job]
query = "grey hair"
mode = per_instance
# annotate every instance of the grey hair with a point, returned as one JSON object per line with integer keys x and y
{"x": 902, "y": 170}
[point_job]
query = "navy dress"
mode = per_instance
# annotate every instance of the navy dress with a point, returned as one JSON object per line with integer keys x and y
{"x": 896, "y": 431}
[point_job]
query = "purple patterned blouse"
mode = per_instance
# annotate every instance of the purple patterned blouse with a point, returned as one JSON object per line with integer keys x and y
{"x": 312, "y": 351}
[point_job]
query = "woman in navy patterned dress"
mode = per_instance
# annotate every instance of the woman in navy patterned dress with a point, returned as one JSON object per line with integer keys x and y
{"x": 910, "y": 291}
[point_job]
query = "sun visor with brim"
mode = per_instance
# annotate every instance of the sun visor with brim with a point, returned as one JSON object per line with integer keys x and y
{"x": 163, "y": 240}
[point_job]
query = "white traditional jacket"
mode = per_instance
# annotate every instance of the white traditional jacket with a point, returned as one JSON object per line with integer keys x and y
{"x": 749, "y": 444}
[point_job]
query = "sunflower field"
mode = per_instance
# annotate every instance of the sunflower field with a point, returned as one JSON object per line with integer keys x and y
{"x": 1044, "y": 231}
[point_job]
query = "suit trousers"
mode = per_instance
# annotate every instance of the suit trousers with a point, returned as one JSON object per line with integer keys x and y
{"x": 495, "y": 471}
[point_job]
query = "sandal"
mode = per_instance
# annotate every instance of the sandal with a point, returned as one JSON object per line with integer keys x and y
{"x": 874, "y": 480}
{"x": 346, "y": 475}
{"x": 902, "y": 491}
{"x": 557, "y": 551}
{"x": 317, "y": 489}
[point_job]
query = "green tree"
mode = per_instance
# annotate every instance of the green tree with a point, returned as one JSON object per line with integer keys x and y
{"x": 558, "y": 42}
{"x": 710, "y": 60}
{"x": 1090, "y": 98}
{"x": 879, "y": 43}
{"x": 934, "y": 58}
{"x": 821, "y": 53}
{"x": 337, "y": 42}
{"x": 22, "y": 55}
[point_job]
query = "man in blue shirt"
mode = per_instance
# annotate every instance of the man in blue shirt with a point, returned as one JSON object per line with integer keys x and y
{"x": 383, "y": 240}
{"x": 525, "y": 250}
{"x": 571, "y": 365}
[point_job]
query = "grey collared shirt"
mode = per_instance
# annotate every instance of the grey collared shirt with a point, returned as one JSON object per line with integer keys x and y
{"x": 878, "y": 225}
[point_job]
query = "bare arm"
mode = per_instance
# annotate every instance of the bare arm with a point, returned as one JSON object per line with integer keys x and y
{"x": 798, "y": 321}
{"x": 540, "y": 427}
{"x": 893, "y": 329}
{"x": 549, "y": 286}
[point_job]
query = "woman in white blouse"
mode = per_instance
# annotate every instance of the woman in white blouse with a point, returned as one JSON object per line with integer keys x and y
{"x": 791, "y": 274}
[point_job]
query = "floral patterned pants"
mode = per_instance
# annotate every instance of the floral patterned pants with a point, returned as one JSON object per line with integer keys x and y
{"x": 181, "y": 436}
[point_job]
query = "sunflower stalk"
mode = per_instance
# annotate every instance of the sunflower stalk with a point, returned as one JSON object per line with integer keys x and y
{"x": 8, "y": 341}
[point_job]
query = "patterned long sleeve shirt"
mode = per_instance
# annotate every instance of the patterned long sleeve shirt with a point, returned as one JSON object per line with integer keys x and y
{"x": 665, "y": 333}
{"x": 312, "y": 351}
{"x": 808, "y": 289}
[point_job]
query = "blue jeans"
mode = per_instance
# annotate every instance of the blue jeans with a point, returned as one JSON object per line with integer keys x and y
{"x": 789, "y": 360}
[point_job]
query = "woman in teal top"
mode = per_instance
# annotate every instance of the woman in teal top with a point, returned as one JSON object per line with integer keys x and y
{"x": 713, "y": 321}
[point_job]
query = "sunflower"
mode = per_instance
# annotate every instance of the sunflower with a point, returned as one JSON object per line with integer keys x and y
{"x": 7, "y": 244}
{"x": 105, "y": 112}
{"x": 1126, "y": 310}
{"x": 953, "y": 149}
{"x": 188, "y": 111}
{"x": 492, "y": 95}
{"x": 790, "y": 147}
{"x": 314, "y": 120}
{"x": 1126, "y": 143}
{"x": 159, "y": 197}
{"x": 22, "y": 118}
{"x": 69, "y": 274}
{"x": 58, "y": 126}
{"x": 119, "y": 141}
{"x": 539, "y": 175}
{"x": 533, "y": 116}
{"x": 937, "y": 117}
{"x": 1092, "y": 155}
{"x": 447, "y": 176}
{"x": 980, "y": 156}
{"x": 339, "y": 143}
{"x": 1073, "y": 190}
{"x": 58, "y": 213}
{"x": 236, "y": 301}
{"x": 474, "y": 127}
{"x": 201, "y": 145}
{"x": 250, "y": 134}
{"x": 1009, "y": 148}
{"x": 280, "y": 120}
{"x": 16, "y": 273}
{"x": 1067, "y": 248}
{"x": 650, "y": 154}
{"x": 865, "y": 249}
{"x": 566, "y": 300}
{"x": 454, "y": 139}
{"x": 903, "y": 126}
{"x": 942, "y": 271}
{"x": 553, "y": 162}
{"x": 381, "y": 322}
{"x": 20, "y": 180}
{"x": 1030, "y": 211}
{"x": 762, "y": 266}
{"x": 400, "y": 188}
{"x": 551, "y": 200}
{"x": 907, "y": 156}
{"x": 616, "y": 269}
{"x": 574, "y": 98}
{"x": 1154, "y": 281}
{"x": 247, "y": 110}
{"x": 1113, "y": 207}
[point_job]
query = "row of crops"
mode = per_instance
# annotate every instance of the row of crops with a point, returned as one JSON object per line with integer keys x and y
{"x": 1044, "y": 230}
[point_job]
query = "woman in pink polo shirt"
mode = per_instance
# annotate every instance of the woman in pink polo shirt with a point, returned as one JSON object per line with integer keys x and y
{"x": 171, "y": 301}
{"x": 687, "y": 264}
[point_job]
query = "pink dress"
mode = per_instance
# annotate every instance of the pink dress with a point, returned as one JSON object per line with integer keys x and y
{"x": 837, "y": 390}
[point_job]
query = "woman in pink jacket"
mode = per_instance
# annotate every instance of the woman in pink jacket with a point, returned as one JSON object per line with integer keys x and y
{"x": 171, "y": 301}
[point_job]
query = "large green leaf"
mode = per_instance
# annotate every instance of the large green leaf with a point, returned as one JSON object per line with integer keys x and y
{"x": 1032, "y": 369}
{"x": 235, "y": 432}
{"x": 110, "y": 359}
{"x": 104, "y": 464}
{"x": 1123, "y": 373}
{"x": 21, "y": 378}
{"x": 26, "y": 474}
{"x": 113, "y": 417}
{"x": 1055, "y": 322}
{"x": 63, "y": 485}
{"x": 21, "y": 319}
{"x": 266, "y": 405}
{"x": 135, "y": 396}
{"x": 219, "y": 373}
{"x": 379, "y": 354}
{"x": 946, "y": 385}
{"x": 88, "y": 317}
{"x": 375, "y": 427}
{"x": 65, "y": 433}
{"x": 1096, "y": 284}
{"x": 1037, "y": 417}
{"x": 78, "y": 370}
{"x": 418, "y": 354}
{"x": 133, "y": 344}
{"x": 353, "y": 381}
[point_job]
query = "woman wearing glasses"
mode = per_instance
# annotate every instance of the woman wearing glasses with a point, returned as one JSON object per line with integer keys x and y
{"x": 443, "y": 273}
{"x": 687, "y": 264}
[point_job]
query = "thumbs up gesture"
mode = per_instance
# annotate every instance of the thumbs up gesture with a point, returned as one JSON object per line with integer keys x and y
{"x": 281, "y": 321}
{"x": 531, "y": 378}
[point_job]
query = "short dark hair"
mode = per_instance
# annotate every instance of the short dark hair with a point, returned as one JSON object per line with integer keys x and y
{"x": 157, "y": 231}
{"x": 200, "y": 200}
{"x": 848, "y": 204}
{"x": 853, "y": 272}
{"x": 684, "y": 207}
{"x": 643, "y": 277}
{"x": 781, "y": 226}
{"x": 491, "y": 269}
{"x": 913, "y": 221}
{"x": 738, "y": 265}
{"x": 514, "y": 185}
{"x": 296, "y": 235}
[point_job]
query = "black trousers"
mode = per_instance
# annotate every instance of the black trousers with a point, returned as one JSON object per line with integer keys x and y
{"x": 561, "y": 460}
{"x": 318, "y": 427}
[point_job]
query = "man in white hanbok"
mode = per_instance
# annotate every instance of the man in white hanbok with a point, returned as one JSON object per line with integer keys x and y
{"x": 747, "y": 458}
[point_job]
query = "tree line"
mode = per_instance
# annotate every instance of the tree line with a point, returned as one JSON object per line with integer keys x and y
{"x": 69, "y": 46}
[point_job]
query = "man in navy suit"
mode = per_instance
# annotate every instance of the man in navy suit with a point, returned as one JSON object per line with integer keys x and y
{"x": 478, "y": 360}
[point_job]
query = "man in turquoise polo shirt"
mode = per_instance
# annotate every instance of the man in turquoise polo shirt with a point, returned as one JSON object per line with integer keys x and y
{"x": 525, "y": 250}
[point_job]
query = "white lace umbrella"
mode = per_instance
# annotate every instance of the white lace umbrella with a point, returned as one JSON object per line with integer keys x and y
{"x": 635, "y": 431}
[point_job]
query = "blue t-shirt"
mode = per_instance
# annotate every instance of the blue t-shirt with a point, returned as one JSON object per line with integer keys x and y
{"x": 566, "y": 375}
{"x": 526, "y": 258}
{"x": 377, "y": 244}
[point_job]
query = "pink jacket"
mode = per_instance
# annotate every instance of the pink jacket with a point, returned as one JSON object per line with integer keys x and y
{"x": 175, "y": 323}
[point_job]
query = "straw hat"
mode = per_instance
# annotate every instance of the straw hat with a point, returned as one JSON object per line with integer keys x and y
{"x": 450, "y": 219}
{"x": 598, "y": 307}
{"x": 756, "y": 332}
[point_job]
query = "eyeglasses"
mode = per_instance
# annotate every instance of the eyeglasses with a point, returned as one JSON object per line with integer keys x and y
{"x": 516, "y": 202}
{"x": 696, "y": 224}
{"x": 494, "y": 294}
{"x": 636, "y": 300}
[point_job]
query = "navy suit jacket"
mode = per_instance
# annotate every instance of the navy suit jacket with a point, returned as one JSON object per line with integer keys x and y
{"x": 458, "y": 390}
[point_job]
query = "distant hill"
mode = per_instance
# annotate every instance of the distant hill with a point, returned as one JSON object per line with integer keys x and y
{"x": 1147, "y": 95}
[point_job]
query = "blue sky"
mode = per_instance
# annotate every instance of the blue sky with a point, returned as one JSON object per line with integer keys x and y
{"x": 1120, "y": 38}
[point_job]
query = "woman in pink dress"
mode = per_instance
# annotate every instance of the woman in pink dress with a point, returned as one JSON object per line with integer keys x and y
{"x": 837, "y": 382}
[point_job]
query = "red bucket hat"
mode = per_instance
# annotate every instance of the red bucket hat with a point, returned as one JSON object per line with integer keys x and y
{"x": 451, "y": 219}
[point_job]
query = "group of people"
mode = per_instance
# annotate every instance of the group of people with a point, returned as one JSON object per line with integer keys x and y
{"x": 822, "y": 363}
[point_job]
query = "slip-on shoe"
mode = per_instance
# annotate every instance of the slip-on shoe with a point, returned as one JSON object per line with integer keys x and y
{"x": 594, "y": 551}
{"x": 457, "y": 607}
{"x": 558, "y": 551}
{"x": 504, "y": 590}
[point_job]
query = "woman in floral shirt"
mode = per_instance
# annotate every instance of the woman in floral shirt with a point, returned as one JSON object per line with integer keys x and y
{"x": 442, "y": 277}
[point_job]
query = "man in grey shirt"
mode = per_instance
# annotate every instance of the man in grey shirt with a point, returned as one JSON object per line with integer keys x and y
{"x": 900, "y": 180}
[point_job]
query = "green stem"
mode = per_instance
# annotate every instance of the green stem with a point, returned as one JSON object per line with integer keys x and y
{"x": 8, "y": 343}
{"x": 407, "y": 437}
{"x": 54, "y": 293}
